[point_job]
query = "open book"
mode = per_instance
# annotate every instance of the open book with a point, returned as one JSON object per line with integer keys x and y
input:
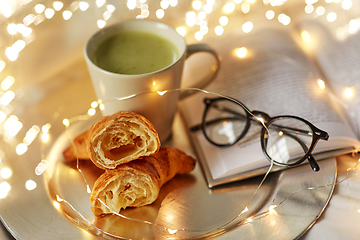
{"x": 304, "y": 71}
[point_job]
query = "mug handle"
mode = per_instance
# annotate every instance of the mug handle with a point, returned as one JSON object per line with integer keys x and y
{"x": 195, "y": 48}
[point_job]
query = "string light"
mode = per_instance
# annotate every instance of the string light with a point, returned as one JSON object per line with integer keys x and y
{"x": 198, "y": 19}
{"x": 241, "y": 52}
{"x": 321, "y": 83}
{"x": 349, "y": 92}
{"x": 30, "y": 185}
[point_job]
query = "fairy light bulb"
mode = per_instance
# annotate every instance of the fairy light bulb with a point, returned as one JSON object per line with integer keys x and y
{"x": 247, "y": 27}
{"x": 321, "y": 83}
{"x": 270, "y": 14}
{"x": 305, "y": 36}
{"x": 181, "y": 31}
{"x": 331, "y": 17}
{"x": 349, "y": 92}
{"x": 241, "y": 52}
{"x": 229, "y": 7}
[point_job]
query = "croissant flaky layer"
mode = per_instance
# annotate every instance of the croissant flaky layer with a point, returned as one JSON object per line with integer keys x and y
{"x": 138, "y": 183}
{"x": 78, "y": 148}
{"x": 121, "y": 138}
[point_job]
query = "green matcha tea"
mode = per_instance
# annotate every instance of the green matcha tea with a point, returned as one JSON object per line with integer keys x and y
{"x": 135, "y": 53}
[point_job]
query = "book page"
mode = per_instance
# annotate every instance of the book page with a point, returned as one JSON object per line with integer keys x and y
{"x": 335, "y": 48}
{"x": 275, "y": 77}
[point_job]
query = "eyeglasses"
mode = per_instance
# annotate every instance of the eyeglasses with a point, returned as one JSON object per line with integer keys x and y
{"x": 285, "y": 140}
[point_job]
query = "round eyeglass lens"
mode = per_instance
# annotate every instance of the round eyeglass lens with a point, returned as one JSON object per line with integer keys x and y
{"x": 287, "y": 140}
{"x": 224, "y": 122}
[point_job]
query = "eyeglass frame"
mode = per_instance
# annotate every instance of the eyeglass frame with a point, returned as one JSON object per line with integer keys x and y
{"x": 317, "y": 134}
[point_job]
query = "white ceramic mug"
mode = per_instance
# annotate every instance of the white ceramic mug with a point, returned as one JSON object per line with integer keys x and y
{"x": 160, "y": 110}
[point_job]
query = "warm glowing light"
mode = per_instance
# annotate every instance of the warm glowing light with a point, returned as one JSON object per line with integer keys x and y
{"x": 219, "y": 30}
{"x": 331, "y": 17}
{"x": 284, "y": 19}
{"x": 45, "y": 137}
{"x": 107, "y": 15}
{"x": 7, "y": 98}
{"x": 30, "y": 185}
{"x": 7, "y": 83}
{"x": 2, "y": 116}
{"x": 247, "y": 27}
{"x": 309, "y": 8}
{"x": 91, "y": 111}
{"x": 161, "y": 92}
{"x": 4, "y": 189}
{"x": 172, "y": 231}
{"x": 229, "y": 7}
{"x": 270, "y": 14}
{"x": 181, "y": 31}
{"x": 83, "y": 6}
{"x": 160, "y": 13}
{"x": 102, "y": 106}
{"x": 67, "y": 14}
{"x": 100, "y": 3}
{"x": 196, "y": 4}
{"x": 272, "y": 209}
{"x": 39, "y": 8}
{"x": 260, "y": 119}
{"x": 354, "y": 26}
{"x": 66, "y": 122}
{"x": 245, "y": 7}
{"x": 101, "y": 23}
{"x": 58, "y": 5}
{"x": 131, "y": 4}
{"x": 29, "y": 19}
{"x": 223, "y": 20}
{"x": 18, "y": 45}
{"x": 56, "y": 205}
{"x": 321, "y": 83}
{"x": 6, "y": 173}
{"x": 241, "y": 52}
{"x": 208, "y": 8}
{"x": 245, "y": 210}
{"x": 12, "y": 125}
{"x": 11, "y": 54}
{"x": 21, "y": 148}
{"x": 346, "y": 4}
{"x": 204, "y": 30}
{"x": 6, "y": 11}
{"x": 199, "y": 36}
{"x": 40, "y": 168}
{"x": 164, "y": 4}
{"x": 2, "y": 65}
{"x": 31, "y": 135}
{"x": 173, "y": 3}
{"x": 305, "y": 36}
{"x": 281, "y": 133}
{"x": 145, "y": 13}
{"x": 94, "y": 104}
{"x": 45, "y": 128}
{"x": 12, "y": 28}
{"x": 320, "y": 10}
{"x": 49, "y": 13}
{"x": 59, "y": 199}
{"x": 349, "y": 92}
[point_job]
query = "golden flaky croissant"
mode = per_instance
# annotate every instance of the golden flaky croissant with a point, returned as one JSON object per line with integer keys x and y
{"x": 121, "y": 138}
{"x": 78, "y": 148}
{"x": 138, "y": 183}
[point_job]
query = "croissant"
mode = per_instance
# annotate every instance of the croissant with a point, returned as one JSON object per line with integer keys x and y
{"x": 121, "y": 138}
{"x": 78, "y": 148}
{"x": 138, "y": 183}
